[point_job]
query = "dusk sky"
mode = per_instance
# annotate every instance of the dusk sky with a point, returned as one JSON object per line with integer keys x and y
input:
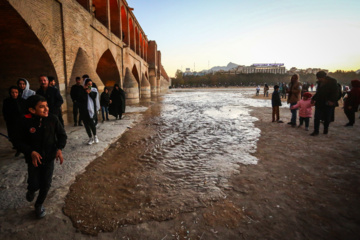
{"x": 207, "y": 33}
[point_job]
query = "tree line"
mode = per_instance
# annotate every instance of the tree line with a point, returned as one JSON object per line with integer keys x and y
{"x": 254, "y": 79}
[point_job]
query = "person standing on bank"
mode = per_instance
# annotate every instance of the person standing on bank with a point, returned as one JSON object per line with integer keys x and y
{"x": 52, "y": 96}
{"x": 74, "y": 93}
{"x": 117, "y": 97}
{"x": 324, "y": 100}
{"x": 276, "y": 103}
{"x": 24, "y": 88}
{"x": 88, "y": 106}
{"x": 352, "y": 102}
{"x": 293, "y": 97}
{"x": 13, "y": 110}
{"x": 41, "y": 138}
{"x": 104, "y": 103}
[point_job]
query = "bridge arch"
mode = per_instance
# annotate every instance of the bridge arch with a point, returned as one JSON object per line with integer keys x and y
{"x": 108, "y": 70}
{"x": 132, "y": 35}
{"x": 22, "y": 53}
{"x": 124, "y": 26}
{"x": 135, "y": 72}
{"x": 100, "y": 11}
{"x": 115, "y": 18}
{"x": 84, "y": 3}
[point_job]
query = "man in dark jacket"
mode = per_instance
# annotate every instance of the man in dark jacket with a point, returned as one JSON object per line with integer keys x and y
{"x": 41, "y": 138}
{"x": 325, "y": 100}
{"x": 52, "y": 96}
{"x": 75, "y": 94}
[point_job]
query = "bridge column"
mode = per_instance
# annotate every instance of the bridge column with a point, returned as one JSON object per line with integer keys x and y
{"x": 131, "y": 87}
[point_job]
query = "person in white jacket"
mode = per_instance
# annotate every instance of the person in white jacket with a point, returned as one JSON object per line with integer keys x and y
{"x": 24, "y": 88}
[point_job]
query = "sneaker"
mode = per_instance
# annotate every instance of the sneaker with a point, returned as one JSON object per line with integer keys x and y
{"x": 30, "y": 195}
{"x": 96, "y": 139}
{"x": 91, "y": 141}
{"x": 314, "y": 133}
{"x": 306, "y": 128}
{"x": 40, "y": 211}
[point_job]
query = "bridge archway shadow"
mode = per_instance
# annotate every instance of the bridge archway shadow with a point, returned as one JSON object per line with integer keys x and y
{"x": 22, "y": 53}
{"x": 108, "y": 70}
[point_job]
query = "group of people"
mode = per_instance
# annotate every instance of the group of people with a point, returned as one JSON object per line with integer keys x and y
{"x": 36, "y": 128}
{"x": 326, "y": 98}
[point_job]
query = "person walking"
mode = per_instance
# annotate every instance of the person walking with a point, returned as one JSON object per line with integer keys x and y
{"x": 117, "y": 106}
{"x": 294, "y": 97}
{"x": 41, "y": 138}
{"x": 13, "y": 109}
{"x": 305, "y": 110}
{"x": 104, "y": 103}
{"x": 74, "y": 93}
{"x": 324, "y": 100}
{"x": 266, "y": 90}
{"x": 352, "y": 102}
{"x": 88, "y": 107}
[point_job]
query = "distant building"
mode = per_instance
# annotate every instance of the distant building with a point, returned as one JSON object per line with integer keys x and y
{"x": 275, "y": 68}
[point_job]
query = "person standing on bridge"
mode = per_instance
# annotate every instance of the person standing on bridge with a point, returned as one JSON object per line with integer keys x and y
{"x": 75, "y": 93}
{"x": 24, "y": 88}
{"x": 52, "y": 96}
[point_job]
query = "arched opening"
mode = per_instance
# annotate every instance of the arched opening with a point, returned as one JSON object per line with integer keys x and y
{"x": 137, "y": 41}
{"x": 144, "y": 52}
{"x": 124, "y": 26}
{"x": 22, "y": 53}
{"x": 107, "y": 69}
{"x": 140, "y": 46}
{"x": 132, "y": 35}
{"x": 136, "y": 74}
{"x": 99, "y": 8}
{"x": 115, "y": 18}
{"x": 84, "y": 3}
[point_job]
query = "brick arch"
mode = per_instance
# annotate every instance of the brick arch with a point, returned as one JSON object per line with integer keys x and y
{"x": 100, "y": 11}
{"x": 135, "y": 72}
{"x": 132, "y": 34}
{"x": 22, "y": 53}
{"x": 108, "y": 70}
{"x": 84, "y": 3}
{"x": 124, "y": 26}
{"x": 115, "y": 18}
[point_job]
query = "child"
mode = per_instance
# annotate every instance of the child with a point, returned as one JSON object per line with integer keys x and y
{"x": 41, "y": 138}
{"x": 276, "y": 103}
{"x": 104, "y": 103}
{"x": 305, "y": 111}
{"x": 257, "y": 90}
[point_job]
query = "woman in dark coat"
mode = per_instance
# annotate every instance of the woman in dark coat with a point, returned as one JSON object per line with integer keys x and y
{"x": 13, "y": 110}
{"x": 352, "y": 102}
{"x": 117, "y": 106}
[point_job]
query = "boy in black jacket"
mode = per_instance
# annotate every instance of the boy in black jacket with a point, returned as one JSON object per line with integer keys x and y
{"x": 41, "y": 138}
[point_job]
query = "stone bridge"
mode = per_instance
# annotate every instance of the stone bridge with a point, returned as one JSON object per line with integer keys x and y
{"x": 69, "y": 38}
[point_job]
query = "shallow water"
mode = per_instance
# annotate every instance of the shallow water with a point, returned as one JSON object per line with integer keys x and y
{"x": 179, "y": 158}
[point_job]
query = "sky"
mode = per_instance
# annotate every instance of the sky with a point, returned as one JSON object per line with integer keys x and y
{"x": 200, "y": 34}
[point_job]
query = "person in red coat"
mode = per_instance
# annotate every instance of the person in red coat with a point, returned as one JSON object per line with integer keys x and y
{"x": 352, "y": 102}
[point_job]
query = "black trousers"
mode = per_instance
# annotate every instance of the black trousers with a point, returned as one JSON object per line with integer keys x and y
{"x": 89, "y": 125}
{"x": 40, "y": 178}
{"x": 304, "y": 119}
{"x": 350, "y": 114}
{"x": 75, "y": 112}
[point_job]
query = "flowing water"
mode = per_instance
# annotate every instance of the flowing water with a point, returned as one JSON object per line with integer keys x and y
{"x": 178, "y": 159}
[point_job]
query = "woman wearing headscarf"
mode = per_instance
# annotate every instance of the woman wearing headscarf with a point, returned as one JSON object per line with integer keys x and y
{"x": 294, "y": 96}
{"x": 117, "y": 106}
{"x": 24, "y": 88}
{"x": 89, "y": 104}
{"x": 13, "y": 110}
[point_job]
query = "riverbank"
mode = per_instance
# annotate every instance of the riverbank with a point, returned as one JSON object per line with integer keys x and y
{"x": 303, "y": 187}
